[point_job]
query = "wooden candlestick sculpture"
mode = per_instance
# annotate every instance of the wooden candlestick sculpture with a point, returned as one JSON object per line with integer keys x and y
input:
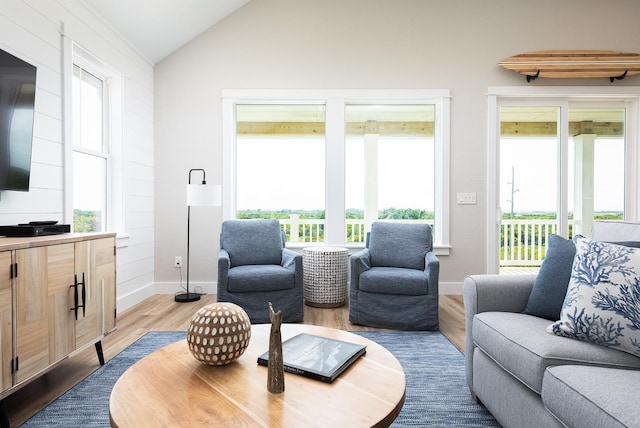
{"x": 275, "y": 376}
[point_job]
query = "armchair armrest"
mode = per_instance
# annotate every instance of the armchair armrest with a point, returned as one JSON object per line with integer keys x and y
{"x": 224, "y": 264}
{"x": 293, "y": 261}
{"x": 290, "y": 258}
{"x": 432, "y": 269}
{"x": 359, "y": 262}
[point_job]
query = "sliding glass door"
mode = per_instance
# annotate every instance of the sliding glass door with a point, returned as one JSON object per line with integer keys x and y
{"x": 561, "y": 166}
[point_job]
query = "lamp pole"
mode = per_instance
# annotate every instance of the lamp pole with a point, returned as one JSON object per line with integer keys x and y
{"x": 190, "y": 297}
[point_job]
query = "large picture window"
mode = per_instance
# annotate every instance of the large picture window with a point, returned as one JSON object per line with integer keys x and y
{"x": 329, "y": 164}
{"x": 280, "y": 159}
{"x": 389, "y": 155}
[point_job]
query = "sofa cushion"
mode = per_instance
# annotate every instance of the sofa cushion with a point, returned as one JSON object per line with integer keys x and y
{"x": 521, "y": 345}
{"x": 602, "y": 304}
{"x": 592, "y": 396}
{"x": 402, "y": 245}
{"x": 552, "y": 280}
{"x": 615, "y": 231}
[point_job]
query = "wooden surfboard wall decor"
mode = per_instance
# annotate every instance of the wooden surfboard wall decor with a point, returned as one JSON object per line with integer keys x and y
{"x": 569, "y": 64}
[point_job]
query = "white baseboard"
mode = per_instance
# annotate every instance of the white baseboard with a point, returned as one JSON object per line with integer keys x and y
{"x": 174, "y": 287}
{"x": 450, "y": 287}
{"x": 134, "y": 297}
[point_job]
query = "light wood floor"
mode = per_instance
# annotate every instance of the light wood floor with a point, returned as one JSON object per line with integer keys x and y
{"x": 161, "y": 313}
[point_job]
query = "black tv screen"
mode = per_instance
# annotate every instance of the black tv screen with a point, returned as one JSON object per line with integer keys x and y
{"x": 17, "y": 98}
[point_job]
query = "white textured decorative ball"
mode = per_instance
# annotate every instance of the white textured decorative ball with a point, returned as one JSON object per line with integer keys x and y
{"x": 219, "y": 333}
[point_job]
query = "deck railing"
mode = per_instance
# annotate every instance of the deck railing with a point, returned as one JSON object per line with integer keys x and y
{"x": 312, "y": 230}
{"x": 522, "y": 242}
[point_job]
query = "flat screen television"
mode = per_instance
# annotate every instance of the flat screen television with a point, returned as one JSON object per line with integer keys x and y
{"x": 17, "y": 99}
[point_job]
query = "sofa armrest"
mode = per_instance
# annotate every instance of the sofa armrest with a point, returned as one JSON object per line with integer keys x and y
{"x": 491, "y": 293}
{"x": 496, "y": 293}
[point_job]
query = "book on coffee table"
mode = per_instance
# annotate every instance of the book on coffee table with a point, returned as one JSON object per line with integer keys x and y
{"x": 317, "y": 357}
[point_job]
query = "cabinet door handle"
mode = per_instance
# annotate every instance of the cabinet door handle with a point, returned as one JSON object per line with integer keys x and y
{"x": 84, "y": 295}
{"x": 75, "y": 295}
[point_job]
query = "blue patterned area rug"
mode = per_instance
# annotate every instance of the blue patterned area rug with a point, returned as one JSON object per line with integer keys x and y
{"x": 437, "y": 393}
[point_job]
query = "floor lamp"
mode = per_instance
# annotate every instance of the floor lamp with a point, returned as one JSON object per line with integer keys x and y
{"x": 198, "y": 195}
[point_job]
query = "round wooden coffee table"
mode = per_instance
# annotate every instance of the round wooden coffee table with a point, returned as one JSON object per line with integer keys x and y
{"x": 169, "y": 387}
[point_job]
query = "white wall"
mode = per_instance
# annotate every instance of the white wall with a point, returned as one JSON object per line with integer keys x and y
{"x": 361, "y": 44}
{"x": 31, "y": 30}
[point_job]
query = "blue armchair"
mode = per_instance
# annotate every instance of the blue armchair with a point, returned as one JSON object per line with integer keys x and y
{"x": 394, "y": 280}
{"x": 255, "y": 268}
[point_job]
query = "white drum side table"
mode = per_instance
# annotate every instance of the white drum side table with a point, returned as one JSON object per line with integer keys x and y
{"x": 325, "y": 276}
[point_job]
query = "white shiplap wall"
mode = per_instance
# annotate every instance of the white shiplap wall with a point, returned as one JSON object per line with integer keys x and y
{"x": 32, "y": 30}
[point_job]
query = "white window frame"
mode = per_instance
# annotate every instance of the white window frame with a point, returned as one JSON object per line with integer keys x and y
{"x": 561, "y": 97}
{"x": 335, "y": 102}
{"x": 113, "y": 87}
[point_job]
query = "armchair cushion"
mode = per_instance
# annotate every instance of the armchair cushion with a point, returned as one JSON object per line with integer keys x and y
{"x": 390, "y": 280}
{"x": 250, "y": 278}
{"x": 252, "y": 242}
{"x": 399, "y": 245}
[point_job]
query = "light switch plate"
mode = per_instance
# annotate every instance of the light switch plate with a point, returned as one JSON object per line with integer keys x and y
{"x": 467, "y": 199}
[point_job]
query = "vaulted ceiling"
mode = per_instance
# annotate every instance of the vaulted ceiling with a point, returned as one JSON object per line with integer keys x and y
{"x": 159, "y": 27}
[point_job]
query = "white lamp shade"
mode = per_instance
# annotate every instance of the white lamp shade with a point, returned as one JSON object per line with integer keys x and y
{"x": 204, "y": 195}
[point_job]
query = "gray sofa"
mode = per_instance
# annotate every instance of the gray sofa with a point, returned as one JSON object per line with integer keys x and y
{"x": 527, "y": 377}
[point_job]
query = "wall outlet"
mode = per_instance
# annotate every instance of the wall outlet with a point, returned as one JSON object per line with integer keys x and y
{"x": 177, "y": 262}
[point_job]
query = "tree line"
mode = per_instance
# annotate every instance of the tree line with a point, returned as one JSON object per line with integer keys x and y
{"x": 351, "y": 213}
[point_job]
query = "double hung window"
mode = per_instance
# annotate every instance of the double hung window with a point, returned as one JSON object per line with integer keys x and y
{"x": 94, "y": 157}
{"x": 90, "y": 152}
